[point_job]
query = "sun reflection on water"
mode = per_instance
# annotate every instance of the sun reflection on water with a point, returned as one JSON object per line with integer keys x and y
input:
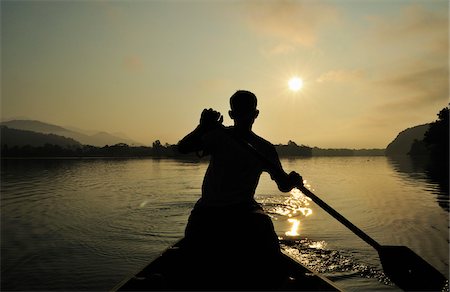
{"x": 290, "y": 210}
{"x": 298, "y": 206}
{"x": 294, "y": 228}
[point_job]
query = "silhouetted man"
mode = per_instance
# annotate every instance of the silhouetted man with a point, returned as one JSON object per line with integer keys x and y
{"x": 227, "y": 213}
{"x": 232, "y": 242}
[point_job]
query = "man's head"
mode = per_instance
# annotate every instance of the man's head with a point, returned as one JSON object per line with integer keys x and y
{"x": 243, "y": 108}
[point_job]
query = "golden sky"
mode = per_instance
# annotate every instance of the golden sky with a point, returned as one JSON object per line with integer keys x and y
{"x": 145, "y": 68}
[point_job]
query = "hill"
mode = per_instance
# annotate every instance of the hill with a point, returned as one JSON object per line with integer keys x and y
{"x": 99, "y": 139}
{"x": 401, "y": 145}
{"x": 20, "y": 138}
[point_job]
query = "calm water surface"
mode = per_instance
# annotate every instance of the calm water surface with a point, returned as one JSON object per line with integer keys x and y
{"x": 87, "y": 224}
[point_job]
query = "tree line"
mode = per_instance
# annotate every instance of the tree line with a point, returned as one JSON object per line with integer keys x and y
{"x": 117, "y": 150}
{"x": 158, "y": 150}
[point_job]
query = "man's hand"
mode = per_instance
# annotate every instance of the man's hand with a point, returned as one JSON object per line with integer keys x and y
{"x": 210, "y": 119}
{"x": 286, "y": 182}
{"x": 193, "y": 141}
{"x": 295, "y": 179}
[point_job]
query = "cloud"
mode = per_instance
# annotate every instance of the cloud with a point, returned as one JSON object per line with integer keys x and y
{"x": 417, "y": 87}
{"x": 408, "y": 97}
{"x": 133, "y": 63}
{"x": 422, "y": 79}
{"x": 279, "y": 49}
{"x": 341, "y": 75}
{"x": 414, "y": 22}
{"x": 111, "y": 10}
{"x": 291, "y": 23}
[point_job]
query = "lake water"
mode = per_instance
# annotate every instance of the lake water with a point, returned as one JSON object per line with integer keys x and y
{"x": 85, "y": 224}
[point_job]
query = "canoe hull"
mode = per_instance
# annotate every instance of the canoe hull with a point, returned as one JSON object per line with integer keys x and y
{"x": 178, "y": 269}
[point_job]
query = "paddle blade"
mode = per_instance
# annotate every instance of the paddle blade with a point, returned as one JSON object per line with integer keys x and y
{"x": 409, "y": 271}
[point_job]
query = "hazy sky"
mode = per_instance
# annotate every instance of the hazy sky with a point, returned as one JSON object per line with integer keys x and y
{"x": 148, "y": 68}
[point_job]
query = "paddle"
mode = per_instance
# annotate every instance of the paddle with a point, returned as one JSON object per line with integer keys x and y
{"x": 404, "y": 267}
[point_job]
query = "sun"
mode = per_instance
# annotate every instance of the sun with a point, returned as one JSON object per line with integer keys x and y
{"x": 295, "y": 83}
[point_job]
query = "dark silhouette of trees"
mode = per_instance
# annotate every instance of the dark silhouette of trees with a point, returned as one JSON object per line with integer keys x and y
{"x": 47, "y": 150}
{"x": 292, "y": 149}
{"x": 159, "y": 150}
{"x": 118, "y": 150}
{"x": 418, "y": 148}
{"x": 435, "y": 143}
{"x": 436, "y": 138}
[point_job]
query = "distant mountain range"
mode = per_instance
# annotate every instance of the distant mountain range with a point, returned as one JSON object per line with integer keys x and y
{"x": 98, "y": 139}
{"x": 15, "y": 137}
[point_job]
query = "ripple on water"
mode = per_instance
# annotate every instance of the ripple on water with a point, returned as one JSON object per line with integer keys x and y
{"x": 335, "y": 265}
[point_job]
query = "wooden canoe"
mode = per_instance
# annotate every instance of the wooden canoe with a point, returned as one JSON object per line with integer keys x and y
{"x": 178, "y": 269}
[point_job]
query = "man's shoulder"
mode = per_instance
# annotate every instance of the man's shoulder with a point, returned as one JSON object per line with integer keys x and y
{"x": 263, "y": 143}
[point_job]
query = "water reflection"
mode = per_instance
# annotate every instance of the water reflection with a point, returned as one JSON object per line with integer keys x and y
{"x": 293, "y": 209}
{"x": 436, "y": 176}
{"x": 294, "y": 228}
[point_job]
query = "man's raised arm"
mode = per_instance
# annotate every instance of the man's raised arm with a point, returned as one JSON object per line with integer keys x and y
{"x": 193, "y": 141}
